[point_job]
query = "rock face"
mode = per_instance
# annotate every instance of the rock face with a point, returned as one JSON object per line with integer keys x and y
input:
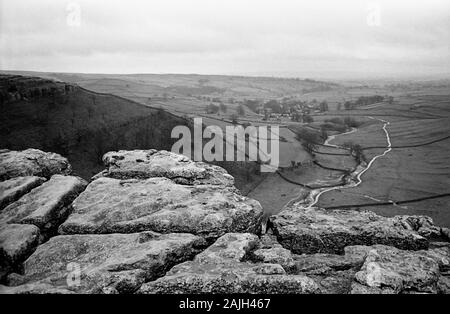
{"x": 144, "y": 164}
{"x": 31, "y": 162}
{"x": 222, "y": 268}
{"x": 158, "y": 204}
{"x": 189, "y": 204}
{"x": 104, "y": 263}
{"x": 157, "y": 222}
{"x": 16, "y": 87}
{"x": 11, "y": 190}
{"x": 326, "y": 231}
{"x": 45, "y": 206}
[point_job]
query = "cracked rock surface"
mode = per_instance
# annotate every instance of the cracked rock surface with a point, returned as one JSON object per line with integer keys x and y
{"x": 45, "y": 206}
{"x": 159, "y": 204}
{"x": 330, "y": 231}
{"x": 222, "y": 268}
{"x": 144, "y": 164}
{"x": 390, "y": 270}
{"x": 157, "y": 222}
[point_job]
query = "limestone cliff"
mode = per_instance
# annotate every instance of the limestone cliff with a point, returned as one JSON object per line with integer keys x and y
{"x": 76, "y": 123}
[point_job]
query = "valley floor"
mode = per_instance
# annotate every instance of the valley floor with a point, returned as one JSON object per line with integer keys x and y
{"x": 416, "y": 167}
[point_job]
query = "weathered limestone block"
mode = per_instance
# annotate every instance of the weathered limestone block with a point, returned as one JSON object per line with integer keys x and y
{"x": 11, "y": 190}
{"x": 144, "y": 164}
{"x": 158, "y": 204}
{"x": 31, "y": 162}
{"x": 330, "y": 231}
{"x": 423, "y": 225}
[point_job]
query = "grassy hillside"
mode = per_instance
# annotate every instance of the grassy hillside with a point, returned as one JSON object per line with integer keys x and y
{"x": 81, "y": 125}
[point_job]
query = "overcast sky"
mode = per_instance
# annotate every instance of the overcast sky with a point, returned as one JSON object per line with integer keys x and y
{"x": 256, "y": 37}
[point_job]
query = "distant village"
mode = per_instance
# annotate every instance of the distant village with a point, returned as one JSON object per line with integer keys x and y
{"x": 292, "y": 108}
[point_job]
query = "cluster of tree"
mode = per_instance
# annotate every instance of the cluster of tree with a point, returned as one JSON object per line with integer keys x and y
{"x": 389, "y": 99}
{"x": 286, "y": 106}
{"x": 332, "y": 126}
{"x": 323, "y": 106}
{"x": 363, "y": 101}
{"x": 309, "y": 139}
{"x": 309, "y": 146}
{"x": 252, "y": 104}
{"x": 240, "y": 110}
{"x": 347, "y": 121}
{"x": 307, "y": 118}
{"x": 212, "y": 108}
{"x": 351, "y": 122}
{"x": 356, "y": 150}
{"x": 340, "y": 125}
{"x": 234, "y": 118}
{"x": 348, "y": 105}
{"x": 290, "y": 106}
{"x": 297, "y": 116}
{"x": 211, "y": 99}
{"x": 301, "y": 117}
{"x": 295, "y": 164}
{"x": 274, "y": 105}
{"x": 320, "y": 88}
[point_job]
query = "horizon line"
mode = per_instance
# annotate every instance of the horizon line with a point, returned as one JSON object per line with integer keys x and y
{"x": 357, "y": 76}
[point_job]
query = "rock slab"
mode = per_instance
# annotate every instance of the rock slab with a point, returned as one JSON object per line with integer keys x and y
{"x": 11, "y": 190}
{"x": 330, "y": 231}
{"x": 390, "y": 270}
{"x": 31, "y": 162}
{"x": 158, "y": 204}
{"x": 144, "y": 164}
{"x": 45, "y": 206}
